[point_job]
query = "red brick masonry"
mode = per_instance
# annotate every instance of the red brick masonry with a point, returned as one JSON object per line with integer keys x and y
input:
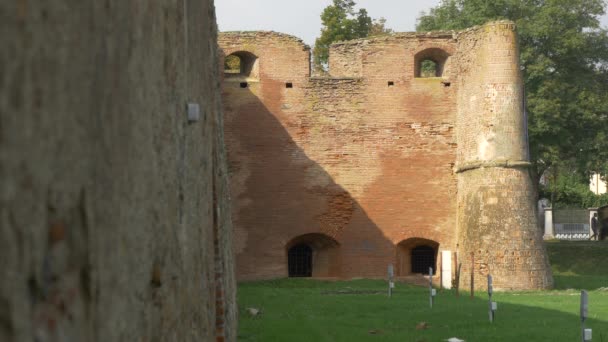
{"x": 370, "y": 162}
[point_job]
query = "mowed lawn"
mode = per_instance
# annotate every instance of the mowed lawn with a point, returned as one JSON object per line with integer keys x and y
{"x": 360, "y": 310}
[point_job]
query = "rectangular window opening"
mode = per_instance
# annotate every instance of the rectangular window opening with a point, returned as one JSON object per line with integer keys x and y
{"x": 391, "y": 83}
{"x": 243, "y": 84}
{"x": 288, "y": 85}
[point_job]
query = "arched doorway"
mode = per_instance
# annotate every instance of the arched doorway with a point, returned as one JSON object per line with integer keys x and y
{"x": 241, "y": 65}
{"x": 422, "y": 258}
{"x": 312, "y": 255}
{"x": 415, "y": 256}
{"x": 430, "y": 63}
{"x": 300, "y": 261}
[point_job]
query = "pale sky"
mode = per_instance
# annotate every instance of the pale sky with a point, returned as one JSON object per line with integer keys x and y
{"x": 301, "y": 18}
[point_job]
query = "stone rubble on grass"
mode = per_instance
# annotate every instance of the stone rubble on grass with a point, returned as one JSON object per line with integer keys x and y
{"x": 422, "y": 326}
{"x": 454, "y": 339}
{"x": 253, "y": 312}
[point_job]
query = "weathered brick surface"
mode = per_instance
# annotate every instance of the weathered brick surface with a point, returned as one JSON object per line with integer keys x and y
{"x": 114, "y": 220}
{"x": 365, "y": 158}
{"x": 497, "y": 219}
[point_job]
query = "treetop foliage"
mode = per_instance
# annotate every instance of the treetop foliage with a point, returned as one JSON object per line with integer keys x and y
{"x": 341, "y": 22}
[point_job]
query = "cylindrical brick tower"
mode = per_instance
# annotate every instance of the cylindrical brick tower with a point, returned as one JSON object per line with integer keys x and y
{"x": 496, "y": 202}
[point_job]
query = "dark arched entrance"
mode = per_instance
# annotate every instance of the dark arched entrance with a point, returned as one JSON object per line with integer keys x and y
{"x": 300, "y": 260}
{"x": 241, "y": 65}
{"x": 312, "y": 255}
{"x": 423, "y": 257}
{"x": 415, "y": 255}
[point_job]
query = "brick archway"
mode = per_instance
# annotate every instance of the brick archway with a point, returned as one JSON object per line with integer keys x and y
{"x": 416, "y": 255}
{"x": 437, "y": 56}
{"x": 312, "y": 255}
{"x": 247, "y": 67}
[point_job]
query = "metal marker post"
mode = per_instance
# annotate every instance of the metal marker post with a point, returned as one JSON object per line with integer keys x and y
{"x": 458, "y": 280}
{"x": 490, "y": 306}
{"x": 431, "y": 289}
{"x": 472, "y": 275}
{"x": 391, "y": 273}
{"x": 457, "y": 275}
{"x": 584, "y": 312}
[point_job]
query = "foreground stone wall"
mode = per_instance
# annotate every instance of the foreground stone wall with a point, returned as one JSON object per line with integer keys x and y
{"x": 115, "y": 224}
{"x": 374, "y": 161}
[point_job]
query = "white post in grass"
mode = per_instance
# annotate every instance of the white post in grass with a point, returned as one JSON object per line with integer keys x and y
{"x": 446, "y": 269}
{"x": 585, "y": 333}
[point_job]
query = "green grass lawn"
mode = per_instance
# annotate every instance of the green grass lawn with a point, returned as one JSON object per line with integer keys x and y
{"x": 359, "y": 310}
{"x": 579, "y": 265}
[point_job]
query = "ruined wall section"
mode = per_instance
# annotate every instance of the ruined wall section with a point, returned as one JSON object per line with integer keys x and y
{"x": 346, "y": 59}
{"x": 352, "y": 158}
{"x": 496, "y": 218}
{"x": 413, "y": 124}
{"x": 264, "y": 186}
{"x": 110, "y": 200}
{"x": 281, "y": 56}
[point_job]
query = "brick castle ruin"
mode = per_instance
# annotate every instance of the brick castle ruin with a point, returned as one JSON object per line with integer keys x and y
{"x": 377, "y": 164}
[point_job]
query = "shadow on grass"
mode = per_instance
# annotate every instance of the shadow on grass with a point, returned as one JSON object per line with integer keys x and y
{"x": 301, "y": 310}
{"x": 580, "y": 282}
{"x": 579, "y": 264}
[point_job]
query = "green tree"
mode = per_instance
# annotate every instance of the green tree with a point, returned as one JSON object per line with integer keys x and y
{"x": 564, "y": 54}
{"x": 340, "y": 22}
{"x": 568, "y": 188}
